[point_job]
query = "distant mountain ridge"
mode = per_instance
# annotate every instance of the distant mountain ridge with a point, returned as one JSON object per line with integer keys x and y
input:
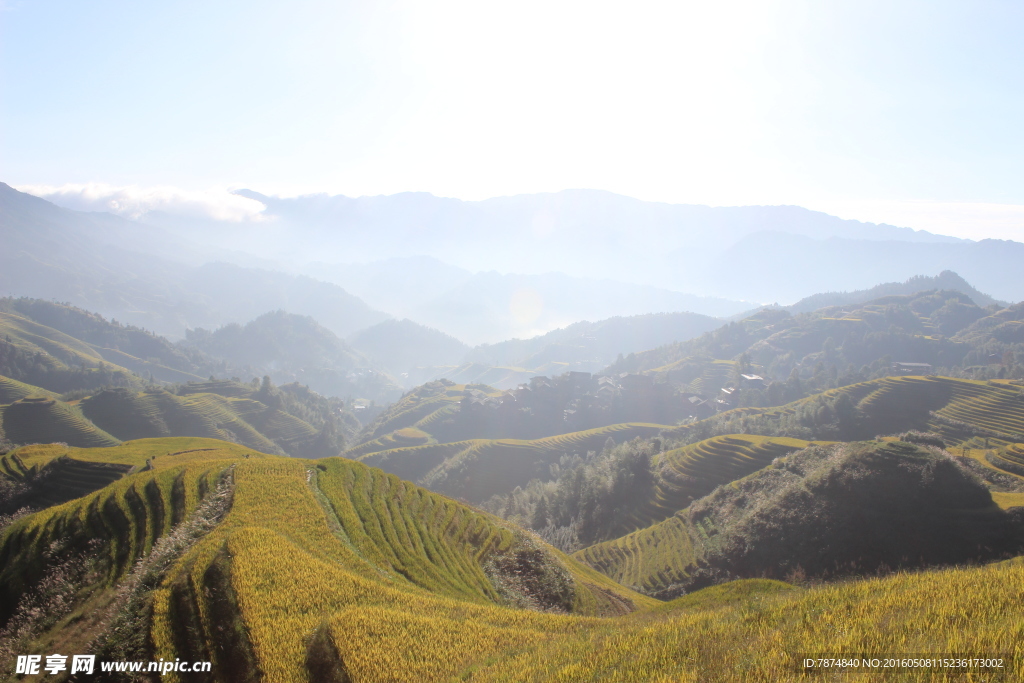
{"x": 946, "y": 280}
{"x": 106, "y": 264}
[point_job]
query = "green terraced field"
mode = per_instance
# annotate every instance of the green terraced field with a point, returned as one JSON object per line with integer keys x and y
{"x": 479, "y": 468}
{"x": 400, "y": 438}
{"x": 694, "y": 471}
{"x": 417, "y": 405}
{"x": 58, "y": 349}
{"x": 684, "y": 475}
{"x": 954, "y": 408}
{"x": 45, "y": 420}
{"x": 12, "y": 390}
{"x": 159, "y": 413}
{"x": 650, "y": 559}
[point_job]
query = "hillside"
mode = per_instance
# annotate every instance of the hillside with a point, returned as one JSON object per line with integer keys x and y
{"x": 131, "y": 347}
{"x": 294, "y": 348}
{"x": 44, "y": 419}
{"x": 824, "y": 511}
{"x": 786, "y": 357}
{"x": 957, "y": 409}
{"x": 705, "y": 453}
{"x": 295, "y": 570}
{"x": 946, "y": 280}
{"x": 542, "y": 407}
{"x": 39, "y": 355}
{"x": 478, "y": 469}
{"x": 238, "y": 513}
{"x": 218, "y": 410}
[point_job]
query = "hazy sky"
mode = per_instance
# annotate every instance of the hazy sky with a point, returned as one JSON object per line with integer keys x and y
{"x": 902, "y": 112}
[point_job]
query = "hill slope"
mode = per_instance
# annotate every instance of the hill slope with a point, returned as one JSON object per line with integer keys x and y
{"x": 355, "y": 539}
{"x": 219, "y": 410}
{"x": 946, "y": 280}
{"x": 291, "y": 570}
{"x": 849, "y": 509}
{"x": 295, "y": 348}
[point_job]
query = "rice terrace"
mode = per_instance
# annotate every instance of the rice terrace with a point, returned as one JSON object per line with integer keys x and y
{"x": 535, "y": 342}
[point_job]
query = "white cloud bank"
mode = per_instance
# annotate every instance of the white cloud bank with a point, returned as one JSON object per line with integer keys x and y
{"x": 135, "y": 202}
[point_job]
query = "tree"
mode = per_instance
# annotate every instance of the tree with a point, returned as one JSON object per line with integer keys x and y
{"x": 539, "y": 519}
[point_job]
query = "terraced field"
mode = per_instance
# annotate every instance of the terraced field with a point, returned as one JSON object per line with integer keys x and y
{"x": 655, "y": 550}
{"x": 400, "y": 438}
{"x": 329, "y": 570}
{"x": 12, "y": 390}
{"x": 694, "y": 471}
{"x": 480, "y": 468}
{"x": 159, "y": 413}
{"x": 304, "y": 544}
{"x": 56, "y": 348}
{"x": 650, "y": 559}
{"x": 419, "y": 405}
{"x": 955, "y": 408}
{"x": 44, "y": 420}
{"x": 749, "y": 630}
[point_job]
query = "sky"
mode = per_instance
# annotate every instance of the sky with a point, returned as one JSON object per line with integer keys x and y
{"x": 902, "y": 112}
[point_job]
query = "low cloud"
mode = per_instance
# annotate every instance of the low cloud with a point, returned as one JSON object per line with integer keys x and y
{"x": 136, "y": 202}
